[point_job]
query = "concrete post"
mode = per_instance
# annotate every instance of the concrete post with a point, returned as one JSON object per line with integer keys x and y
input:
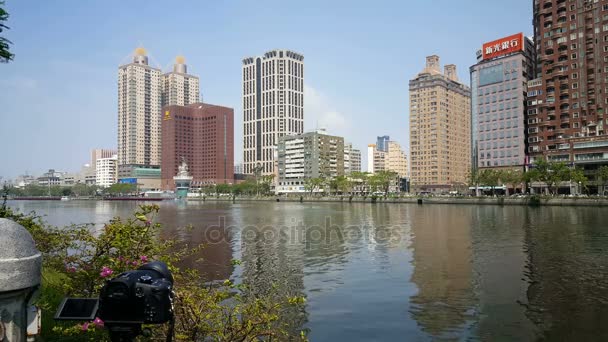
{"x": 20, "y": 271}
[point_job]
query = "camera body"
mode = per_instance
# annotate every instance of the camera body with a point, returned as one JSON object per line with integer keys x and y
{"x": 143, "y": 296}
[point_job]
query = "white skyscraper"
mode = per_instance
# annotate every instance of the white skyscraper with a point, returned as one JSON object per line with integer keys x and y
{"x": 179, "y": 88}
{"x": 139, "y": 112}
{"x": 106, "y": 171}
{"x": 273, "y": 105}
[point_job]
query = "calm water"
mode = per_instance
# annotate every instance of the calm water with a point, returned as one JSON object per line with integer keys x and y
{"x": 390, "y": 272}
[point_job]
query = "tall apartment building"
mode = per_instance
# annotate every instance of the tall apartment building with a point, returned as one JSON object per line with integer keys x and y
{"x": 106, "y": 171}
{"x": 308, "y": 155}
{"x": 352, "y": 159}
{"x": 202, "y": 135}
{"x": 440, "y": 126}
{"x": 396, "y": 159}
{"x": 273, "y": 105}
{"x": 382, "y": 143}
{"x": 499, "y": 84}
{"x": 139, "y": 113}
{"x": 99, "y": 153}
{"x": 391, "y": 159}
{"x": 179, "y": 87}
{"x": 567, "y": 118}
{"x": 376, "y": 159}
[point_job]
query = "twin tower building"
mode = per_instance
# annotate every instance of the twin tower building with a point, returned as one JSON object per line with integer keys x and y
{"x": 162, "y": 122}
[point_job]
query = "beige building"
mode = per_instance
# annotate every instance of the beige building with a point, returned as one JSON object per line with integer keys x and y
{"x": 179, "y": 88}
{"x": 396, "y": 159}
{"x": 376, "y": 159}
{"x": 139, "y": 112}
{"x": 440, "y": 126}
{"x": 393, "y": 159}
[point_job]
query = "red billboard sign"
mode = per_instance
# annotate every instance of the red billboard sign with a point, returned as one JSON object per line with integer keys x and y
{"x": 503, "y": 46}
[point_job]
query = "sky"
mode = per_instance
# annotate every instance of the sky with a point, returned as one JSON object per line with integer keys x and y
{"x": 58, "y": 98}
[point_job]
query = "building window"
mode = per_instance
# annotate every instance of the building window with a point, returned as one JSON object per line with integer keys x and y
{"x": 574, "y": 85}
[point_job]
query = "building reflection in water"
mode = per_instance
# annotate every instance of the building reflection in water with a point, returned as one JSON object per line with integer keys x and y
{"x": 499, "y": 264}
{"x": 568, "y": 271}
{"x": 444, "y": 306}
{"x": 196, "y": 223}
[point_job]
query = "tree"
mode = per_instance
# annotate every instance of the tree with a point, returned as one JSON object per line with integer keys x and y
{"x": 265, "y": 183}
{"x": 551, "y": 174}
{"x": 223, "y": 188}
{"x": 578, "y": 177}
{"x": 5, "y": 54}
{"x": 474, "y": 177}
{"x": 120, "y": 189}
{"x": 489, "y": 177}
{"x": 313, "y": 184}
{"x": 510, "y": 178}
{"x": 602, "y": 177}
{"x": 382, "y": 181}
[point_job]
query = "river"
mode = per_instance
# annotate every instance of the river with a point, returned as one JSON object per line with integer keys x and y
{"x": 390, "y": 272}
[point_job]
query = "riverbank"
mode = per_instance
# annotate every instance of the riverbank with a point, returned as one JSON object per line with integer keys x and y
{"x": 527, "y": 201}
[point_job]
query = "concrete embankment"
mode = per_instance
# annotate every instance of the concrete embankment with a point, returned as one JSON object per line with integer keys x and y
{"x": 532, "y": 201}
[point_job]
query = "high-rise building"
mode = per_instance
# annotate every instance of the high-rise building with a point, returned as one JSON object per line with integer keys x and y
{"x": 440, "y": 127}
{"x": 499, "y": 83}
{"x": 376, "y": 159}
{"x": 382, "y": 143}
{"x": 139, "y": 113}
{"x": 396, "y": 159}
{"x": 202, "y": 135}
{"x": 273, "y": 105}
{"x": 106, "y": 171}
{"x": 179, "y": 88}
{"x": 567, "y": 112}
{"x": 391, "y": 159}
{"x": 99, "y": 153}
{"x": 352, "y": 159}
{"x": 308, "y": 155}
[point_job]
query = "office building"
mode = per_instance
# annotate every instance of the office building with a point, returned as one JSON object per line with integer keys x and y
{"x": 273, "y": 106}
{"x": 376, "y": 159}
{"x": 179, "y": 87}
{"x": 106, "y": 171}
{"x": 51, "y": 177}
{"x": 396, "y": 159}
{"x": 139, "y": 113}
{"x": 352, "y": 159}
{"x": 498, "y": 102}
{"x": 440, "y": 127}
{"x": 570, "y": 95}
{"x": 309, "y": 155}
{"x": 382, "y": 143}
{"x": 202, "y": 135}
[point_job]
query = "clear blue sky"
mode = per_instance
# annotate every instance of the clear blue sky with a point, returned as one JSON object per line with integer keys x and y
{"x": 59, "y": 98}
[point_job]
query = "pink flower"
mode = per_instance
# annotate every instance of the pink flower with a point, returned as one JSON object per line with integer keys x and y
{"x": 98, "y": 322}
{"x": 120, "y": 258}
{"x": 106, "y": 272}
{"x": 148, "y": 223}
{"x": 134, "y": 262}
{"x": 85, "y": 326}
{"x": 70, "y": 269}
{"x": 143, "y": 258}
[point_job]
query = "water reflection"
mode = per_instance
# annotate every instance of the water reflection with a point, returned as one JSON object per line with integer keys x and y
{"x": 568, "y": 269}
{"x": 395, "y": 272}
{"x": 444, "y": 306}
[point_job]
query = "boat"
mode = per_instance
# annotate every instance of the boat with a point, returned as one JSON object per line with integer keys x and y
{"x": 65, "y": 198}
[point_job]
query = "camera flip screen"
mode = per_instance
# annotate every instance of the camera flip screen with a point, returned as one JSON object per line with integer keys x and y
{"x": 77, "y": 309}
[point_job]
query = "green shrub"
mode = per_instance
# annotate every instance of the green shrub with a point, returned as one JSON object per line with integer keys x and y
{"x": 76, "y": 263}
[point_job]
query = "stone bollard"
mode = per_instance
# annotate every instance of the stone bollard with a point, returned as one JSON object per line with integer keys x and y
{"x": 20, "y": 271}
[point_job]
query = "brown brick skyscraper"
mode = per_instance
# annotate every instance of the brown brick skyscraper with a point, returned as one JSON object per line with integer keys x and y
{"x": 202, "y": 134}
{"x": 568, "y": 100}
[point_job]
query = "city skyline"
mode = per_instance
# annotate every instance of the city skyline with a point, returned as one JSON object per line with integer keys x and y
{"x": 356, "y": 77}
